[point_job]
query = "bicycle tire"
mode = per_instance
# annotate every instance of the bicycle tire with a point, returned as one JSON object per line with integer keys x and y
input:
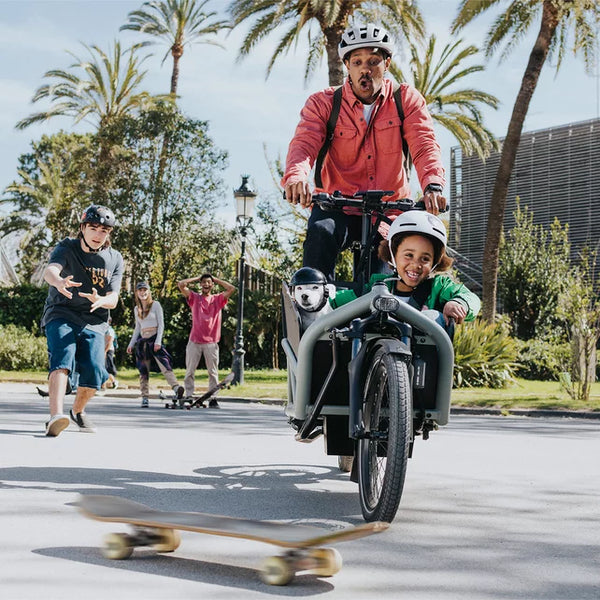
{"x": 383, "y": 452}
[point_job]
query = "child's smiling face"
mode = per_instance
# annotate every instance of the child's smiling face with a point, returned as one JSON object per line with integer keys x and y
{"x": 414, "y": 261}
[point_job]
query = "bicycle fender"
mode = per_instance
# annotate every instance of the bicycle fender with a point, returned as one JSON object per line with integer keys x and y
{"x": 356, "y": 375}
{"x": 393, "y": 346}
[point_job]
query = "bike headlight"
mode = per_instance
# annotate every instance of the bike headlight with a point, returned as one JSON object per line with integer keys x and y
{"x": 386, "y": 303}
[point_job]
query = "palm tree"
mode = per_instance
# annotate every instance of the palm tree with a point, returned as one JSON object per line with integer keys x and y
{"x": 329, "y": 17}
{"x": 456, "y": 110}
{"x": 177, "y": 22}
{"x": 565, "y": 25}
{"x": 108, "y": 88}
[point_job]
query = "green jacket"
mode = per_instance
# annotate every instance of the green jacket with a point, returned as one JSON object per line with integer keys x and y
{"x": 443, "y": 289}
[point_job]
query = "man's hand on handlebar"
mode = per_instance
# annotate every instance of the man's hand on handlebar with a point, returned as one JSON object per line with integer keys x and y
{"x": 434, "y": 200}
{"x": 298, "y": 193}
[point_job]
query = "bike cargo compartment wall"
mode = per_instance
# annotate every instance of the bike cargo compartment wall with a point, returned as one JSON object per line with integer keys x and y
{"x": 337, "y": 394}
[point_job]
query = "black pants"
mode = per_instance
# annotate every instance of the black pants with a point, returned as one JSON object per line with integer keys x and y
{"x": 330, "y": 232}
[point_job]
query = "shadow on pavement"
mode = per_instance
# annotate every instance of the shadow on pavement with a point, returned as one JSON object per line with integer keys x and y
{"x": 201, "y": 571}
{"x": 266, "y": 491}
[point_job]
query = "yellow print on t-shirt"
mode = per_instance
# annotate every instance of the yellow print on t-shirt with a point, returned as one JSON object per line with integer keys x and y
{"x": 99, "y": 277}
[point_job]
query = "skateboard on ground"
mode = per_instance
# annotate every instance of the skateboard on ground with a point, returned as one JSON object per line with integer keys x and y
{"x": 304, "y": 544}
{"x": 199, "y": 402}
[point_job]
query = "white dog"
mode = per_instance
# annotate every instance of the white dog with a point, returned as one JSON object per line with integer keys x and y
{"x": 312, "y": 301}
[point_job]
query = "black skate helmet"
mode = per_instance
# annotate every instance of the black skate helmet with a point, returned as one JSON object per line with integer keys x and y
{"x": 99, "y": 215}
{"x": 306, "y": 276}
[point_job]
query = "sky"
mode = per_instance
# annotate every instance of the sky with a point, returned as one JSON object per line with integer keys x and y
{"x": 246, "y": 112}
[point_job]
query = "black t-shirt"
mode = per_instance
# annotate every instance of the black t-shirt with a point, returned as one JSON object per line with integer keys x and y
{"x": 102, "y": 270}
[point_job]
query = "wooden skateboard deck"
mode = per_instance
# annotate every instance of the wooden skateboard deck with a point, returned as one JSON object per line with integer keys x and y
{"x": 158, "y": 528}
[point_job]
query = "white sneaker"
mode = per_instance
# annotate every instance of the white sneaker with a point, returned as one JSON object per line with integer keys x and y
{"x": 56, "y": 424}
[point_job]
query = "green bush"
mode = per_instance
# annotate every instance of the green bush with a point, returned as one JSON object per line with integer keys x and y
{"x": 484, "y": 355}
{"x": 21, "y": 350}
{"x": 542, "y": 359}
{"x": 22, "y": 305}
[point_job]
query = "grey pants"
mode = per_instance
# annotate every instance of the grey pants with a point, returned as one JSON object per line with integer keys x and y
{"x": 193, "y": 353}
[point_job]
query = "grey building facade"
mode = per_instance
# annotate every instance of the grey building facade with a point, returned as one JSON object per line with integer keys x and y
{"x": 556, "y": 174}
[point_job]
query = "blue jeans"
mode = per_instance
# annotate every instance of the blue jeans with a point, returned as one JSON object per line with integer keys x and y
{"x": 77, "y": 349}
{"x": 327, "y": 234}
{"x": 438, "y": 317}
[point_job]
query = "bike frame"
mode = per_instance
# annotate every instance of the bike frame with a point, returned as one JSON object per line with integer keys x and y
{"x": 349, "y": 323}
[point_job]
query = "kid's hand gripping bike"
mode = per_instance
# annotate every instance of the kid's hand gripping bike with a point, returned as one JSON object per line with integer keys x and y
{"x": 370, "y": 376}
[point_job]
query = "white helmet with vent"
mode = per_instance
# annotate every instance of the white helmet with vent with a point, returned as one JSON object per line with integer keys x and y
{"x": 365, "y": 36}
{"x": 417, "y": 222}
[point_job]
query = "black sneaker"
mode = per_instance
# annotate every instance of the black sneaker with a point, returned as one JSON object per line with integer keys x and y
{"x": 213, "y": 404}
{"x": 179, "y": 391}
{"x": 83, "y": 422}
{"x": 56, "y": 424}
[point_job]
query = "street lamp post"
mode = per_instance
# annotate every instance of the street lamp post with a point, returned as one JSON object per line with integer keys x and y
{"x": 244, "y": 202}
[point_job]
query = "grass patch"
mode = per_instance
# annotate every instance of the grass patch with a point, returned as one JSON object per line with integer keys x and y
{"x": 545, "y": 395}
{"x": 272, "y": 384}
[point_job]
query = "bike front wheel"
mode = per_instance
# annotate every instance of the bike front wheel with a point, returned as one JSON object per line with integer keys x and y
{"x": 383, "y": 451}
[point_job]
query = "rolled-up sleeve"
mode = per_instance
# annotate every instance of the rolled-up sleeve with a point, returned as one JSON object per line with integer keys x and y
{"x": 308, "y": 137}
{"x": 418, "y": 132}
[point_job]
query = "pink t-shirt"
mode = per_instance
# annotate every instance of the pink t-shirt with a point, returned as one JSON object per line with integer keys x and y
{"x": 206, "y": 317}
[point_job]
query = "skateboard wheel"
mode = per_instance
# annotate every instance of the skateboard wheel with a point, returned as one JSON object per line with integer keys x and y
{"x": 329, "y": 561}
{"x": 276, "y": 570}
{"x": 169, "y": 540}
{"x": 117, "y": 546}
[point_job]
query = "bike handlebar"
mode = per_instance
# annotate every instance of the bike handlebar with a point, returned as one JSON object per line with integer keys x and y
{"x": 367, "y": 202}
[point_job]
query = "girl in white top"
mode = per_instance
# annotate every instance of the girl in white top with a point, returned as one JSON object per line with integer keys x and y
{"x": 147, "y": 342}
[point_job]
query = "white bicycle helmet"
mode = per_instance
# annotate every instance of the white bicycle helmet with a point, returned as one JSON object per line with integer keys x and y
{"x": 419, "y": 222}
{"x": 365, "y": 36}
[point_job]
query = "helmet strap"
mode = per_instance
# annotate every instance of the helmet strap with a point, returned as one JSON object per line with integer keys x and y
{"x": 324, "y": 300}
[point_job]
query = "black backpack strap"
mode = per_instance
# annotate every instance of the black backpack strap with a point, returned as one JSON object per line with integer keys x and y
{"x": 333, "y": 117}
{"x": 421, "y": 293}
{"x": 405, "y": 153}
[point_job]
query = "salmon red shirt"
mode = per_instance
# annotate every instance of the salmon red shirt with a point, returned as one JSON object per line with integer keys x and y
{"x": 206, "y": 317}
{"x": 366, "y": 156}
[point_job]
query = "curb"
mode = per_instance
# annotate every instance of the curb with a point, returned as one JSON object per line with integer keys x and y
{"x": 455, "y": 410}
{"x": 525, "y": 412}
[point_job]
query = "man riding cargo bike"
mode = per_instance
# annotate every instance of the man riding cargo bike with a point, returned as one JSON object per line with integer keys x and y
{"x": 375, "y": 372}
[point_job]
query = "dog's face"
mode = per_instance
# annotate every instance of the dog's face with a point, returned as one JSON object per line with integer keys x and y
{"x": 309, "y": 296}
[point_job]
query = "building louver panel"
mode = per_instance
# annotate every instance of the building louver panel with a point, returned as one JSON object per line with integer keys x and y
{"x": 556, "y": 175}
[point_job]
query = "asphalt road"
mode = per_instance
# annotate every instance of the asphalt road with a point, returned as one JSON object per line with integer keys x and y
{"x": 493, "y": 507}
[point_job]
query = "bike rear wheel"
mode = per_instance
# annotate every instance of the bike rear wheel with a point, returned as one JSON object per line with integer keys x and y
{"x": 383, "y": 452}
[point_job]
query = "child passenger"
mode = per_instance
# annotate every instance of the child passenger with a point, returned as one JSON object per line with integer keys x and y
{"x": 416, "y": 248}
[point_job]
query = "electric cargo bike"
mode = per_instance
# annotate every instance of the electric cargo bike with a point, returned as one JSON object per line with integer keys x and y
{"x": 369, "y": 377}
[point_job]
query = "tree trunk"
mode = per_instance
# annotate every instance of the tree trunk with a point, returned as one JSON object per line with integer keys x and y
{"x": 508, "y": 155}
{"x": 334, "y": 64}
{"x": 176, "y": 52}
